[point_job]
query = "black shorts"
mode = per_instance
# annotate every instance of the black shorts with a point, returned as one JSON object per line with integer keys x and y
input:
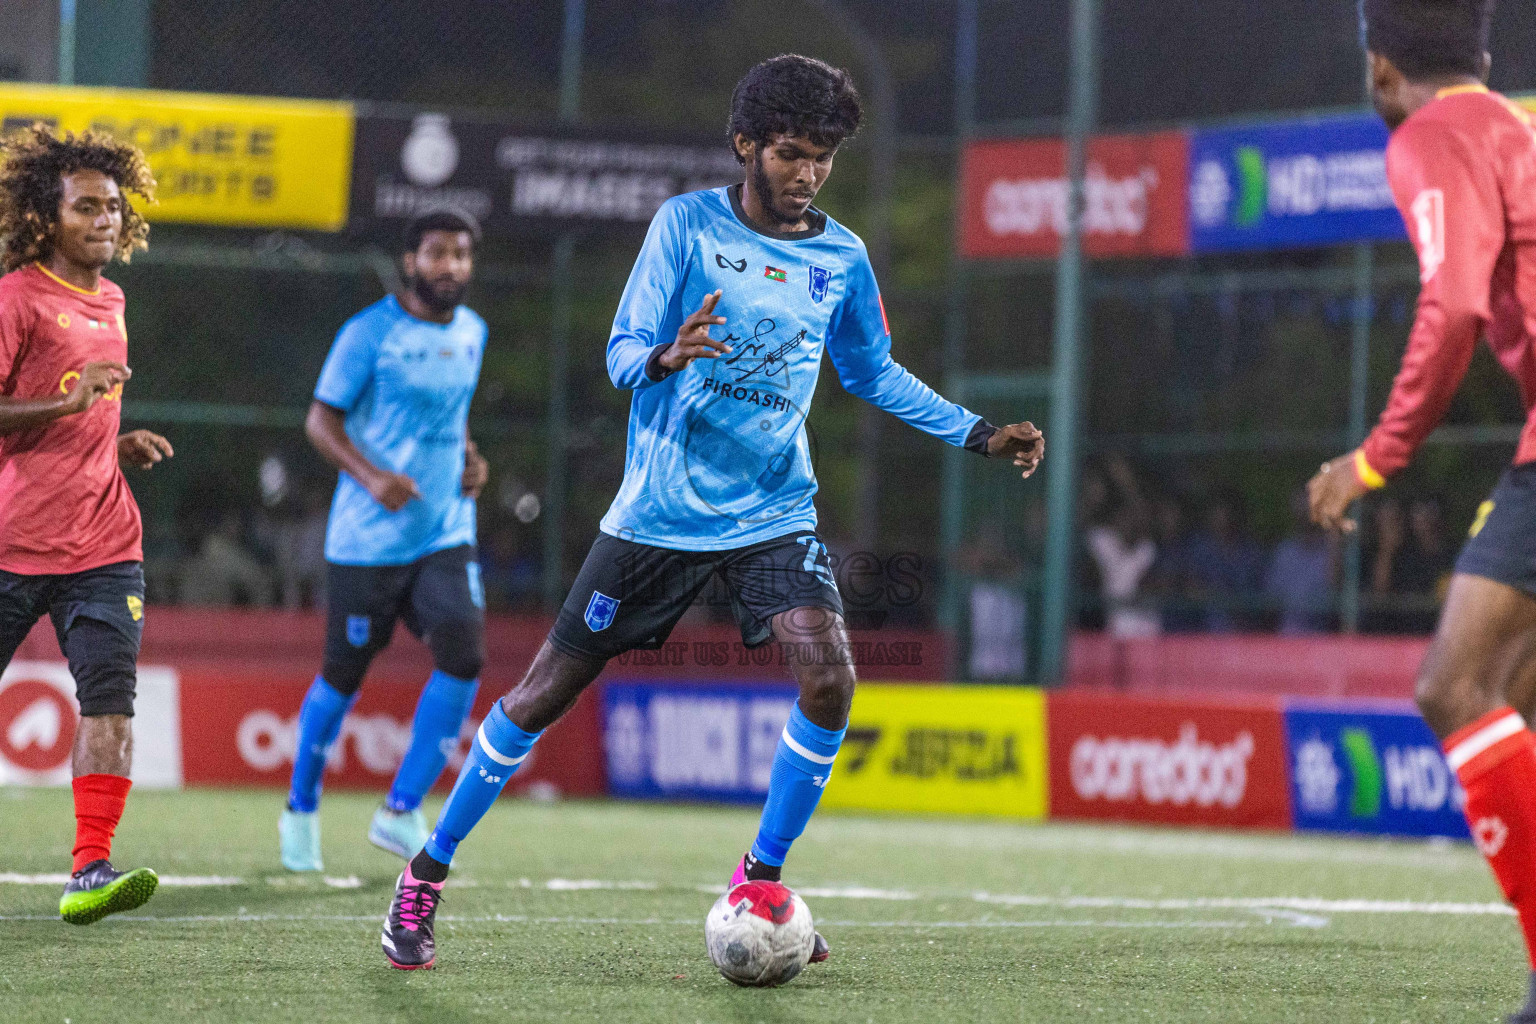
{"x": 630, "y": 595}
{"x": 439, "y": 597}
{"x": 98, "y": 616}
{"x": 1501, "y": 545}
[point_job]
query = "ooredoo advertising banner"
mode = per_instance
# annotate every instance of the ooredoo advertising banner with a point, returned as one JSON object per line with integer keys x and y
{"x": 1371, "y": 768}
{"x": 1014, "y": 197}
{"x": 38, "y": 715}
{"x": 1171, "y": 761}
{"x": 947, "y": 749}
{"x": 1290, "y": 184}
{"x": 683, "y": 742}
{"x": 518, "y": 180}
{"x": 242, "y": 731}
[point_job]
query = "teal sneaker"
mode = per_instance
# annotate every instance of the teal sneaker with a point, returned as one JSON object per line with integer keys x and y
{"x": 299, "y": 833}
{"x": 402, "y": 833}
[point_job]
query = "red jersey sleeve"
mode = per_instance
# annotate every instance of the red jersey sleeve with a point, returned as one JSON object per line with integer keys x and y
{"x": 13, "y": 333}
{"x": 1451, "y": 203}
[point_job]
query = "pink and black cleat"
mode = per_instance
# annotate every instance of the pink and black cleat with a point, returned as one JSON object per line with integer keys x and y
{"x": 407, "y": 939}
{"x": 820, "y": 952}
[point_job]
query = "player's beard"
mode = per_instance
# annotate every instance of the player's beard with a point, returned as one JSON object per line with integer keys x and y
{"x": 438, "y": 299}
{"x": 764, "y": 189}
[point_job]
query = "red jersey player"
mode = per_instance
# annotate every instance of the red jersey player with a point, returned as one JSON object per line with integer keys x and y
{"x": 70, "y": 535}
{"x": 1462, "y": 166}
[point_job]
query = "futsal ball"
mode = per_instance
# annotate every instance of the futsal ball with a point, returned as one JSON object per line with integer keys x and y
{"x": 759, "y": 934}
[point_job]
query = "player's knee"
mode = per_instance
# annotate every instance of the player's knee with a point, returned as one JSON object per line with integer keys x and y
{"x": 826, "y": 693}
{"x": 458, "y": 649}
{"x": 1448, "y": 698}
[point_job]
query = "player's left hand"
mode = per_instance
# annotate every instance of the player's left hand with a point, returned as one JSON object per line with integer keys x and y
{"x": 1022, "y": 441}
{"x": 141, "y": 449}
{"x": 1331, "y": 491}
{"x": 476, "y": 471}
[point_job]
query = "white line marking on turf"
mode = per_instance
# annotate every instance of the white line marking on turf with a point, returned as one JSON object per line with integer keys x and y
{"x": 60, "y": 878}
{"x": 685, "y": 922}
{"x": 347, "y": 882}
{"x": 1300, "y": 904}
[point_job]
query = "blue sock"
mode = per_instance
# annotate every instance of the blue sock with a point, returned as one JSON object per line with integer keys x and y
{"x": 498, "y": 748}
{"x": 801, "y": 767}
{"x": 445, "y": 700}
{"x": 319, "y": 724}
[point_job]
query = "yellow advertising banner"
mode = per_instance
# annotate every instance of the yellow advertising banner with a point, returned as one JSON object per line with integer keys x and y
{"x": 234, "y": 161}
{"x": 1528, "y": 102}
{"x": 951, "y": 749}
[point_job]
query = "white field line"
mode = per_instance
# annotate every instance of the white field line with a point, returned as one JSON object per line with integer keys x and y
{"x": 1299, "y": 904}
{"x": 688, "y": 922}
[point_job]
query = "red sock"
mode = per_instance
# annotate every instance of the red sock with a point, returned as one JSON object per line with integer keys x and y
{"x": 99, "y": 803}
{"x": 1495, "y": 759}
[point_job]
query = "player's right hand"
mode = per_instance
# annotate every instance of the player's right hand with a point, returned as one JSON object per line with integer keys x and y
{"x": 693, "y": 340}
{"x": 97, "y": 380}
{"x": 392, "y": 490}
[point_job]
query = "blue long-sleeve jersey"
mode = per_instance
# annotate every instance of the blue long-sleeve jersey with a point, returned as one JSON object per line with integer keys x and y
{"x": 718, "y": 455}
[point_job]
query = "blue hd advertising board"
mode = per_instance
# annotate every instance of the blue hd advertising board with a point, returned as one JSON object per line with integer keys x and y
{"x": 1294, "y": 184}
{"x": 1370, "y": 768}
{"x": 684, "y": 742}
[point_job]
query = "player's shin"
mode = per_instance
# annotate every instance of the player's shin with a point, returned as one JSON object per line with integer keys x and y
{"x": 444, "y": 703}
{"x": 498, "y": 749}
{"x": 801, "y": 767}
{"x": 1495, "y": 759}
{"x": 320, "y": 720}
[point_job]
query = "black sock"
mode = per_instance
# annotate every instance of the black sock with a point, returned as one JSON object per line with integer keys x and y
{"x": 757, "y": 871}
{"x": 425, "y": 868}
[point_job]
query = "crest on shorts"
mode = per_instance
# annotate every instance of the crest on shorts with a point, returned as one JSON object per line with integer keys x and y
{"x": 819, "y": 280}
{"x": 135, "y": 607}
{"x": 359, "y": 628}
{"x": 600, "y": 611}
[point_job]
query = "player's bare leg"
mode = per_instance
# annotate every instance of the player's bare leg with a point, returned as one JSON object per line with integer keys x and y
{"x": 1476, "y": 672}
{"x": 547, "y": 690}
{"x": 103, "y": 746}
{"x": 815, "y": 645}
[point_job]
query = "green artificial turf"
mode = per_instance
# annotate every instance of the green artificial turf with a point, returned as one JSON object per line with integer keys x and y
{"x": 594, "y": 912}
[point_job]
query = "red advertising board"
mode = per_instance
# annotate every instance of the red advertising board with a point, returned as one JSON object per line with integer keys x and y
{"x": 1168, "y": 761}
{"x": 241, "y": 729}
{"x": 1014, "y": 197}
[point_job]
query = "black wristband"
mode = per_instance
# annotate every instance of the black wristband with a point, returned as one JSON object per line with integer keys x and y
{"x": 653, "y": 368}
{"x": 976, "y": 440}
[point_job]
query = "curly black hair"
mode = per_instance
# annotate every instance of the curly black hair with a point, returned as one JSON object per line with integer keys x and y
{"x": 33, "y": 163}
{"x": 794, "y": 95}
{"x": 1424, "y": 38}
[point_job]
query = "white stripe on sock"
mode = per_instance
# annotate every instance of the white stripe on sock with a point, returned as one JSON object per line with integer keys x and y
{"x": 494, "y": 754}
{"x": 803, "y": 752}
{"x": 1484, "y": 738}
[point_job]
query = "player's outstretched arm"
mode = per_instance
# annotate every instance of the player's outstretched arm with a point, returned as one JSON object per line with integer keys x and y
{"x": 141, "y": 449}
{"x": 97, "y": 380}
{"x": 326, "y": 427}
{"x": 1023, "y": 442}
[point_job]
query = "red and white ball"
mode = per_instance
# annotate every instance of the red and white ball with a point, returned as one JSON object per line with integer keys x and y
{"x": 759, "y": 934}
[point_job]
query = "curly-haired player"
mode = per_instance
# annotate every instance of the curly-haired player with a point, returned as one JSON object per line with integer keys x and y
{"x": 70, "y": 536}
{"x": 718, "y": 476}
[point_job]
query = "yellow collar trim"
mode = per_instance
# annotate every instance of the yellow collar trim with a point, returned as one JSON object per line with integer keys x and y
{"x": 1457, "y": 90}
{"x": 66, "y": 284}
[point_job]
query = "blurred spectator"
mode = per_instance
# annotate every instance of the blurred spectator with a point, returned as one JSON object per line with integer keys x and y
{"x": 510, "y": 576}
{"x": 1301, "y": 574}
{"x": 1410, "y": 565}
{"x": 298, "y": 550}
{"x": 1170, "y": 579}
{"x": 996, "y": 606}
{"x": 224, "y": 574}
{"x": 1225, "y": 567}
{"x": 1123, "y": 550}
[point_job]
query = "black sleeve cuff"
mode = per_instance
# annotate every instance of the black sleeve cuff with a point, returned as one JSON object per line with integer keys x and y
{"x": 976, "y": 440}
{"x": 653, "y": 368}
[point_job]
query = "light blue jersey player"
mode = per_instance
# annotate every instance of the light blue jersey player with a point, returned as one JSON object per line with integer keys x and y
{"x": 736, "y": 296}
{"x": 391, "y": 412}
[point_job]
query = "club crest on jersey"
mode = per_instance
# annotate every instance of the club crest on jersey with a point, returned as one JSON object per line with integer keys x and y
{"x": 359, "y": 628}
{"x": 775, "y": 274}
{"x": 819, "y": 280}
{"x": 600, "y": 611}
{"x": 135, "y": 607}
